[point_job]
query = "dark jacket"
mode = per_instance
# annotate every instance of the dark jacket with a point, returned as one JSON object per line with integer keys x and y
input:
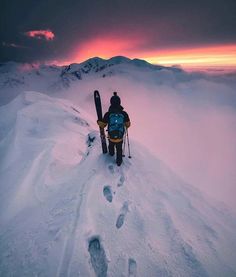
{"x": 115, "y": 109}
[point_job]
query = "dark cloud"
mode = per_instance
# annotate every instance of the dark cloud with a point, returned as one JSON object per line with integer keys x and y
{"x": 162, "y": 24}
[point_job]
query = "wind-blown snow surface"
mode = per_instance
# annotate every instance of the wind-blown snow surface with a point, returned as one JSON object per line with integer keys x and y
{"x": 186, "y": 120}
{"x": 68, "y": 210}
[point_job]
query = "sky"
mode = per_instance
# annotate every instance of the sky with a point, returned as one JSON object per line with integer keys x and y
{"x": 183, "y": 32}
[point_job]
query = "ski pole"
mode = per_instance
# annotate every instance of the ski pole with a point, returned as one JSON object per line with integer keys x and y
{"x": 123, "y": 154}
{"x": 128, "y": 144}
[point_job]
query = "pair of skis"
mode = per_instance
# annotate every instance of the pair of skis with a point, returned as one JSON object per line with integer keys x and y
{"x": 98, "y": 105}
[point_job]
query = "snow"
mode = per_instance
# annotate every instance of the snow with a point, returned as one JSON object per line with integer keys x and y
{"x": 68, "y": 210}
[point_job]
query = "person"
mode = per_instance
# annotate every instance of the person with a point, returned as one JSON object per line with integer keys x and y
{"x": 117, "y": 120}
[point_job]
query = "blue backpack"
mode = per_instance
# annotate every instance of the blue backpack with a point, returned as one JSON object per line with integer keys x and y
{"x": 116, "y": 127}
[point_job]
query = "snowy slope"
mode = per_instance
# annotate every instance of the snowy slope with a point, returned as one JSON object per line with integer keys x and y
{"x": 67, "y": 210}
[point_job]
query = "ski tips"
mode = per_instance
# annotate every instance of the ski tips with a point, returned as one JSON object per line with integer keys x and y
{"x": 96, "y": 94}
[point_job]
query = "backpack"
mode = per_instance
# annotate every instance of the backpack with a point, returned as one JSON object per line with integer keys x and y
{"x": 116, "y": 127}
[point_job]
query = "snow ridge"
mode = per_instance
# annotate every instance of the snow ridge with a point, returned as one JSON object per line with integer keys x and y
{"x": 68, "y": 210}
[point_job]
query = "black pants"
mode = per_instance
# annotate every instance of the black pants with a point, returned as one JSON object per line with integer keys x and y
{"x": 118, "y": 146}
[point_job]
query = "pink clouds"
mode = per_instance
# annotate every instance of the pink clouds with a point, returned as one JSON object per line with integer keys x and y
{"x": 107, "y": 47}
{"x": 41, "y": 34}
{"x": 221, "y": 55}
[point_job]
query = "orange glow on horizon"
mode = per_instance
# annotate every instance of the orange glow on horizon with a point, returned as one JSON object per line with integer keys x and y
{"x": 223, "y": 55}
{"x": 202, "y": 56}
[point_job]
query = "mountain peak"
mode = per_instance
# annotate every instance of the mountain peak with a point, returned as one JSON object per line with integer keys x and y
{"x": 119, "y": 59}
{"x": 116, "y": 60}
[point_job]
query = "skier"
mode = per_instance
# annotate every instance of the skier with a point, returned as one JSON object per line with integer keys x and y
{"x": 117, "y": 120}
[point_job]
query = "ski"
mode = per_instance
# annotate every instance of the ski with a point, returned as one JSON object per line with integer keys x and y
{"x": 98, "y": 105}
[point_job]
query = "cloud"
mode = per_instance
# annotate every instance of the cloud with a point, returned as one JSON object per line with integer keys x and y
{"x": 186, "y": 120}
{"x": 107, "y": 47}
{"x": 160, "y": 24}
{"x": 191, "y": 126}
{"x": 136, "y": 46}
{"x": 208, "y": 55}
{"x": 41, "y": 34}
{"x": 13, "y": 45}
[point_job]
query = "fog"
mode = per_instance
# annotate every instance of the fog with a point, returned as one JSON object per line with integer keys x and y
{"x": 188, "y": 121}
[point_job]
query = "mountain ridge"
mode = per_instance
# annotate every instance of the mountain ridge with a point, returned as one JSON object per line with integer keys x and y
{"x": 182, "y": 104}
{"x": 17, "y": 77}
{"x": 67, "y": 208}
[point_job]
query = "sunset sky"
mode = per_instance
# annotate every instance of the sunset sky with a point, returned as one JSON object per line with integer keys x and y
{"x": 181, "y": 32}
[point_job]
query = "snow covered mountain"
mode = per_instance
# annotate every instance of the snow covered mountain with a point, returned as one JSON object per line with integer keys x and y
{"x": 67, "y": 210}
{"x": 192, "y": 116}
{"x": 16, "y": 77}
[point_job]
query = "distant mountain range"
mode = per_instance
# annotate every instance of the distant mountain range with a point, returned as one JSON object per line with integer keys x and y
{"x": 17, "y": 77}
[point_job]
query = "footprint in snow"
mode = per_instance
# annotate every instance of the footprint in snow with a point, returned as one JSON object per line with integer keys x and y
{"x": 107, "y": 192}
{"x": 121, "y": 181}
{"x": 121, "y": 218}
{"x": 111, "y": 168}
{"x": 90, "y": 140}
{"x": 98, "y": 257}
{"x": 132, "y": 268}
